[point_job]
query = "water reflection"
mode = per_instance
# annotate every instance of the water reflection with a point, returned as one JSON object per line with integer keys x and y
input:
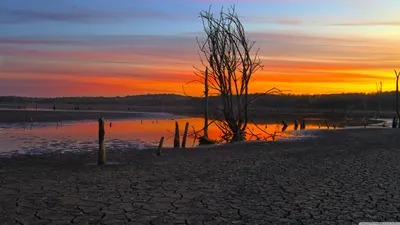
{"x": 121, "y": 134}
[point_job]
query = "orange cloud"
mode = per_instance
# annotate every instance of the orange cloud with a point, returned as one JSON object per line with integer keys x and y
{"x": 126, "y": 66}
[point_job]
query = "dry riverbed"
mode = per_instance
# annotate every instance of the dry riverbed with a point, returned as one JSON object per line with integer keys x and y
{"x": 340, "y": 177}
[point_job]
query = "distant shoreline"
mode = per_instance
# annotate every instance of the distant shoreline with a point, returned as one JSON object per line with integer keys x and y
{"x": 31, "y": 115}
{"x": 13, "y": 115}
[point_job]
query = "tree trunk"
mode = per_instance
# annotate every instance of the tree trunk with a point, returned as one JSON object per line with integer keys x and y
{"x": 206, "y": 104}
{"x": 397, "y": 95}
{"x": 238, "y": 135}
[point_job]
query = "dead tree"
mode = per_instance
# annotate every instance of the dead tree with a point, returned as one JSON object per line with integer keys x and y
{"x": 397, "y": 93}
{"x": 229, "y": 63}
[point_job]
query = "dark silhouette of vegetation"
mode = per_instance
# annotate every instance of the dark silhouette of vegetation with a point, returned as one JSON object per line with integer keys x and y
{"x": 347, "y": 101}
{"x": 229, "y": 63}
{"x": 289, "y": 102}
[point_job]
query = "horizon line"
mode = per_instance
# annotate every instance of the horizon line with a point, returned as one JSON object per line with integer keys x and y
{"x": 183, "y": 95}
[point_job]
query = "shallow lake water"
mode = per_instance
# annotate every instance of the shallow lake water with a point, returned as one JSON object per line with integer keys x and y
{"x": 120, "y": 134}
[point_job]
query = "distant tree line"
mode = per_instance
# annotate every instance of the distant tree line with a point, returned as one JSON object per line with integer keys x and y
{"x": 357, "y": 101}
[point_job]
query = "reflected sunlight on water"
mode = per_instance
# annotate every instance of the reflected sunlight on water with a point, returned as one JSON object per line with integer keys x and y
{"x": 122, "y": 134}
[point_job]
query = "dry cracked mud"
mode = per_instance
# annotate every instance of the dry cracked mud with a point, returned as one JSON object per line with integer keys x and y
{"x": 341, "y": 177}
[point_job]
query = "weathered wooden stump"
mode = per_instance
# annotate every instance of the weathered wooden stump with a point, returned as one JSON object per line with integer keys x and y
{"x": 394, "y": 122}
{"x": 101, "y": 154}
{"x": 303, "y": 125}
{"x": 160, "y": 145}
{"x": 296, "y": 125}
{"x": 176, "y": 138}
{"x": 327, "y": 124}
{"x": 185, "y": 135}
{"x": 285, "y": 125}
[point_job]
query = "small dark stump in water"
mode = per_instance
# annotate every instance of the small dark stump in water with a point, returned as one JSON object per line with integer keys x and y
{"x": 302, "y": 125}
{"x": 285, "y": 125}
{"x": 206, "y": 141}
{"x": 327, "y": 124}
{"x": 176, "y": 138}
{"x": 101, "y": 154}
{"x": 394, "y": 122}
{"x": 160, "y": 145}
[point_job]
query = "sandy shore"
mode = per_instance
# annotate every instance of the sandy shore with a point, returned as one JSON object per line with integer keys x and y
{"x": 342, "y": 177}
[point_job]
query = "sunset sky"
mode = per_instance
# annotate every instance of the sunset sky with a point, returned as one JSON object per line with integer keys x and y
{"x": 128, "y": 47}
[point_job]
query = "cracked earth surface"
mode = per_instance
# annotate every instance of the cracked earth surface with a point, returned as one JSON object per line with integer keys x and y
{"x": 342, "y": 177}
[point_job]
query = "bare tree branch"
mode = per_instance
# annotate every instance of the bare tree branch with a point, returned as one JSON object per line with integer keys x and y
{"x": 228, "y": 55}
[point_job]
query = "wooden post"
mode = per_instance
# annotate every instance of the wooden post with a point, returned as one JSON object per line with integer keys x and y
{"x": 284, "y": 126}
{"x": 159, "y": 151}
{"x": 296, "y": 125}
{"x": 394, "y": 122}
{"x": 206, "y": 104}
{"x": 101, "y": 154}
{"x": 176, "y": 138}
{"x": 327, "y": 125}
{"x": 185, "y": 135}
{"x": 303, "y": 125}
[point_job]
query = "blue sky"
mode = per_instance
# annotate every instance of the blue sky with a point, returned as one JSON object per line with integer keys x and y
{"x": 127, "y": 17}
{"x": 43, "y": 42}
